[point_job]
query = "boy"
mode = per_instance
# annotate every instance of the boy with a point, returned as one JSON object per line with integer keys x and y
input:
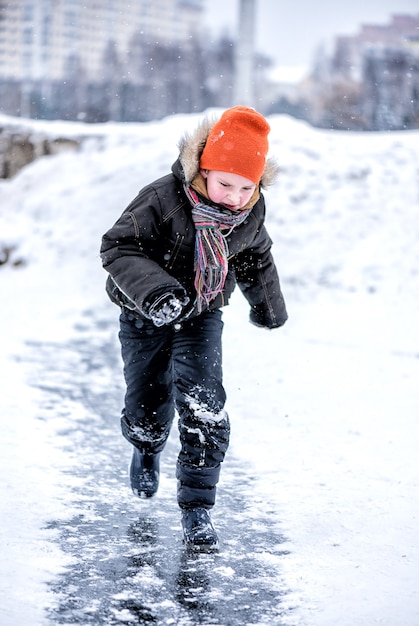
{"x": 174, "y": 258}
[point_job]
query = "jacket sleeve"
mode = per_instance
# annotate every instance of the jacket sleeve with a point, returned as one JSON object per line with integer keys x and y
{"x": 126, "y": 253}
{"x": 257, "y": 277}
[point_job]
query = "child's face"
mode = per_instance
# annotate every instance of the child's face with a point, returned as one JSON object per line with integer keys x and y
{"x": 230, "y": 190}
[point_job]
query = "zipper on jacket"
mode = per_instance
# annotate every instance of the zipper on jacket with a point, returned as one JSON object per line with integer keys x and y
{"x": 135, "y": 224}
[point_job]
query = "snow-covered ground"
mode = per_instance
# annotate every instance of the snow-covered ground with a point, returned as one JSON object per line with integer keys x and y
{"x": 324, "y": 411}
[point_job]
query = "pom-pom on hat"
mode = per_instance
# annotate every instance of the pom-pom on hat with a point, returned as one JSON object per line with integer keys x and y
{"x": 238, "y": 143}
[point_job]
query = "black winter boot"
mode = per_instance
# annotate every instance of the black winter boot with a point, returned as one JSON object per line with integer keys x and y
{"x": 144, "y": 473}
{"x": 198, "y": 532}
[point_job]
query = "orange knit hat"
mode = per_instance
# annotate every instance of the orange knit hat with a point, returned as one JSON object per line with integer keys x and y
{"x": 237, "y": 143}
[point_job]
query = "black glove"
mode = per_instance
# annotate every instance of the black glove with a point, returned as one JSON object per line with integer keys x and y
{"x": 166, "y": 309}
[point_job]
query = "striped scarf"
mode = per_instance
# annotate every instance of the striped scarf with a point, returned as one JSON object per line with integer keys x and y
{"x": 211, "y": 249}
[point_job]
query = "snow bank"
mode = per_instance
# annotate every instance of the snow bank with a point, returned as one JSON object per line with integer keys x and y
{"x": 324, "y": 410}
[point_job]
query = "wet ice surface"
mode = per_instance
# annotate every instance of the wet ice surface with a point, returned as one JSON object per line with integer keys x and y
{"x": 127, "y": 562}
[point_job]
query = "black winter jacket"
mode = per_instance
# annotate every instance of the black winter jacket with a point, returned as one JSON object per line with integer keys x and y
{"x": 150, "y": 249}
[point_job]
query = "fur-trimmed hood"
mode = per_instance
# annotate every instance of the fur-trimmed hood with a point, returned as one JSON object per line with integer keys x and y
{"x": 192, "y": 144}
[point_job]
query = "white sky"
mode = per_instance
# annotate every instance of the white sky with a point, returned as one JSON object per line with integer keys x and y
{"x": 291, "y": 32}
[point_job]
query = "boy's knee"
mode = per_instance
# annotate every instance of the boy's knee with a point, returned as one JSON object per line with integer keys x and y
{"x": 204, "y": 436}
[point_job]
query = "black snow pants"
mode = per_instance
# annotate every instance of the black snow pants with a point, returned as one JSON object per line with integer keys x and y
{"x": 177, "y": 366}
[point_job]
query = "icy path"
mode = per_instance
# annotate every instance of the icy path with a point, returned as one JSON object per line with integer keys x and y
{"x": 316, "y": 509}
{"x": 126, "y": 561}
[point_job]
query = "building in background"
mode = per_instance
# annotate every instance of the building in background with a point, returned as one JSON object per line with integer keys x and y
{"x": 369, "y": 82}
{"x": 383, "y": 60}
{"x": 102, "y": 60}
{"x": 46, "y": 38}
{"x": 402, "y": 32}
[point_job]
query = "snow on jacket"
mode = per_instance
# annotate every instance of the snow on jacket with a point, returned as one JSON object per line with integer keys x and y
{"x": 150, "y": 249}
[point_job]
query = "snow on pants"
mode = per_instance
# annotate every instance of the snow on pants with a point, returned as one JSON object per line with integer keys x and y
{"x": 177, "y": 366}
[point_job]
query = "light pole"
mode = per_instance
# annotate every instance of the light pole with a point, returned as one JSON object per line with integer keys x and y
{"x": 243, "y": 88}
